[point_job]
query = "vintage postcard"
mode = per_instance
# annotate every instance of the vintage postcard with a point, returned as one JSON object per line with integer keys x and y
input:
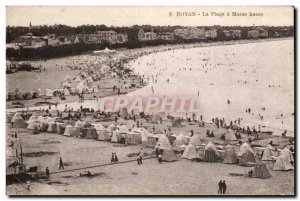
{"x": 189, "y": 101}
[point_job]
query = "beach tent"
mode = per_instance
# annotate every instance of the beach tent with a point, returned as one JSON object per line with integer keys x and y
{"x": 57, "y": 92}
{"x": 164, "y": 143}
{"x": 9, "y": 117}
{"x": 261, "y": 171}
{"x": 171, "y": 138}
{"x": 283, "y": 163}
{"x": 80, "y": 124}
{"x": 40, "y": 119}
{"x": 35, "y": 94}
{"x": 27, "y": 95}
{"x": 17, "y": 115}
{"x": 156, "y": 119}
{"x": 230, "y": 136}
{"x": 176, "y": 122}
{"x": 32, "y": 118}
{"x": 52, "y": 127}
{"x": 195, "y": 140}
{"x": 169, "y": 156}
{"x": 286, "y": 153}
{"x": 190, "y": 152}
{"x": 123, "y": 129}
{"x": 68, "y": 131}
{"x": 66, "y": 85}
{"x": 66, "y": 92}
{"x": 245, "y": 147}
{"x": 50, "y": 120}
{"x": 81, "y": 88}
{"x": 19, "y": 122}
{"x": 133, "y": 138}
{"x": 210, "y": 155}
{"x": 89, "y": 133}
{"x": 60, "y": 129}
{"x": 106, "y": 50}
{"x": 98, "y": 126}
{"x": 179, "y": 143}
{"x": 116, "y": 136}
{"x": 247, "y": 159}
{"x": 72, "y": 90}
{"x": 104, "y": 134}
{"x": 49, "y": 92}
{"x": 267, "y": 154}
{"x": 152, "y": 141}
{"x": 210, "y": 145}
{"x": 44, "y": 126}
{"x": 230, "y": 157}
{"x": 143, "y": 132}
{"x": 33, "y": 125}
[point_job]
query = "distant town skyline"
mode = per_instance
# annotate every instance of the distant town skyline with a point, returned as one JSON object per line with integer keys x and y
{"x": 155, "y": 16}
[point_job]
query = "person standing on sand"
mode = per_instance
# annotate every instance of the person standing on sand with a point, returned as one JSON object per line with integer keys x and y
{"x": 139, "y": 160}
{"x": 61, "y": 164}
{"x": 157, "y": 150}
{"x": 112, "y": 158}
{"x": 159, "y": 158}
{"x": 220, "y": 187}
{"x": 141, "y": 153}
{"x": 224, "y": 187}
{"x": 116, "y": 158}
{"x": 47, "y": 172}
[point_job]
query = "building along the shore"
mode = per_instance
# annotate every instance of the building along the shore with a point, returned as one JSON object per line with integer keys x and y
{"x": 146, "y": 36}
{"x": 232, "y": 34}
{"x": 258, "y": 32}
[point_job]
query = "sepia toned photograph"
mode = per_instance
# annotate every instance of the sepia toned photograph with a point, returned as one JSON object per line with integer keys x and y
{"x": 150, "y": 101}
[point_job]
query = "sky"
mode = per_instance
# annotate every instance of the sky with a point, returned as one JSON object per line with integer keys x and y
{"x": 127, "y": 16}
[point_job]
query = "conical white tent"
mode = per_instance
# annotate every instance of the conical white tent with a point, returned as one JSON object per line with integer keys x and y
{"x": 68, "y": 130}
{"x": 179, "y": 143}
{"x": 267, "y": 154}
{"x": 283, "y": 163}
{"x": 190, "y": 152}
{"x": 195, "y": 140}
{"x": 164, "y": 143}
{"x": 245, "y": 147}
{"x": 210, "y": 145}
{"x": 230, "y": 136}
{"x": 34, "y": 125}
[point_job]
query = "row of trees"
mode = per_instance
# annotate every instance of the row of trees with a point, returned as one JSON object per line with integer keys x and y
{"x": 12, "y": 33}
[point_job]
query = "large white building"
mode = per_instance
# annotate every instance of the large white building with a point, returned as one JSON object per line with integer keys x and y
{"x": 146, "y": 36}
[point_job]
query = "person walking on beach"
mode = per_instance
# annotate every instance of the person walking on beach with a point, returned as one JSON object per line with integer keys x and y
{"x": 139, "y": 160}
{"x": 112, "y": 158}
{"x": 47, "y": 172}
{"x": 224, "y": 187}
{"x": 220, "y": 187}
{"x": 61, "y": 164}
{"x": 116, "y": 158}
